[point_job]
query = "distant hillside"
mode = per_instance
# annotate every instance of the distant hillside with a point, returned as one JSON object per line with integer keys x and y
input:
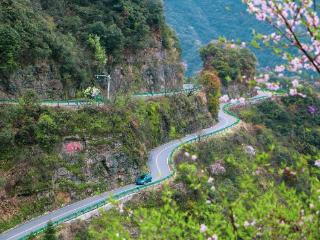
{"x": 57, "y": 46}
{"x": 199, "y": 21}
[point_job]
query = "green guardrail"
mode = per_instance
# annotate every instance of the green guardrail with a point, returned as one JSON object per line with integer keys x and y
{"x": 226, "y": 109}
{"x": 81, "y": 102}
{"x": 161, "y": 93}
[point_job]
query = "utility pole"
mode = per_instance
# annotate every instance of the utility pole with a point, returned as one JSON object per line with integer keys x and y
{"x": 106, "y": 78}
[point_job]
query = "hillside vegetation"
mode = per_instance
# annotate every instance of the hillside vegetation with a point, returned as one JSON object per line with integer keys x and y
{"x": 261, "y": 182}
{"x": 56, "y": 47}
{"x": 234, "y": 64}
{"x": 54, "y": 156}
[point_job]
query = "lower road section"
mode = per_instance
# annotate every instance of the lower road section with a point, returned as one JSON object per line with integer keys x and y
{"x": 160, "y": 168}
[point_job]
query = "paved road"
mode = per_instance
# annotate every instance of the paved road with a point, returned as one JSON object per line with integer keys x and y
{"x": 159, "y": 167}
{"x": 187, "y": 88}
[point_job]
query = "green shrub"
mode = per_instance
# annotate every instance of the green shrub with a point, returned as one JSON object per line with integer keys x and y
{"x": 46, "y": 132}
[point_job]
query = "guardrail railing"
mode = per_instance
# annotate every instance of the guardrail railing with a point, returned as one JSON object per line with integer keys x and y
{"x": 188, "y": 90}
{"x": 81, "y": 102}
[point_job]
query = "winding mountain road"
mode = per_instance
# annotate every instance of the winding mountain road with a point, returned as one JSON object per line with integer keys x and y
{"x": 159, "y": 165}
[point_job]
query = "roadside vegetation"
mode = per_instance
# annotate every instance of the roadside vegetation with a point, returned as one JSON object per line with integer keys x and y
{"x": 261, "y": 182}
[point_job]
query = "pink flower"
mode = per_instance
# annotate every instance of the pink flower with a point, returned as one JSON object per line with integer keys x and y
{"x": 280, "y": 68}
{"x": 273, "y": 86}
{"x": 295, "y": 83}
{"x": 242, "y": 100}
{"x": 213, "y": 237}
{"x": 275, "y": 37}
{"x": 224, "y": 99}
{"x": 289, "y": 19}
{"x": 217, "y": 168}
{"x": 233, "y": 101}
{"x": 293, "y": 92}
{"x": 317, "y": 163}
{"x": 203, "y": 228}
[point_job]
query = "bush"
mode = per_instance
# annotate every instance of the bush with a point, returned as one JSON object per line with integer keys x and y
{"x": 212, "y": 85}
{"x": 46, "y": 132}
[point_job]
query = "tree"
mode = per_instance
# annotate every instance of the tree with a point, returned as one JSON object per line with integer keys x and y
{"x": 232, "y": 62}
{"x": 50, "y": 233}
{"x": 297, "y": 31}
{"x": 99, "y": 51}
{"x": 212, "y": 85}
{"x": 9, "y": 48}
{"x": 114, "y": 39}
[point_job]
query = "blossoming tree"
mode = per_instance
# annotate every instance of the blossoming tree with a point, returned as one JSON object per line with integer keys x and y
{"x": 297, "y": 26}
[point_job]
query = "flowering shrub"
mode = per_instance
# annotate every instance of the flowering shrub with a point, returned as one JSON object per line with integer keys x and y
{"x": 296, "y": 25}
{"x": 273, "y": 86}
{"x": 217, "y": 168}
{"x": 294, "y": 90}
{"x": 224, "y": 99}
{"x": 312, "y": 109}
{"x": 250, "y": 150}
{"x": 263, "y": 78}
{"x": 92, "y": 92}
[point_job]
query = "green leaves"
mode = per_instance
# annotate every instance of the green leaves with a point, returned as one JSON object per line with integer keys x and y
{"x": 232, "y": 62}
{"x": 47, "y": 132}
{"x": 99, "y": 51}
{"x": 10, "y": 44}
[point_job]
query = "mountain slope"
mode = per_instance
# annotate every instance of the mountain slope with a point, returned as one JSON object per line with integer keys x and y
{"x": 199, "y": 21}
{"x": 56, "y": 47}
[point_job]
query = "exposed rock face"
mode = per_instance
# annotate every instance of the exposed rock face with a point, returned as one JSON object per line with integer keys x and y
{"x": 43, "y": 78}
{"x": 153, "y": 69}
